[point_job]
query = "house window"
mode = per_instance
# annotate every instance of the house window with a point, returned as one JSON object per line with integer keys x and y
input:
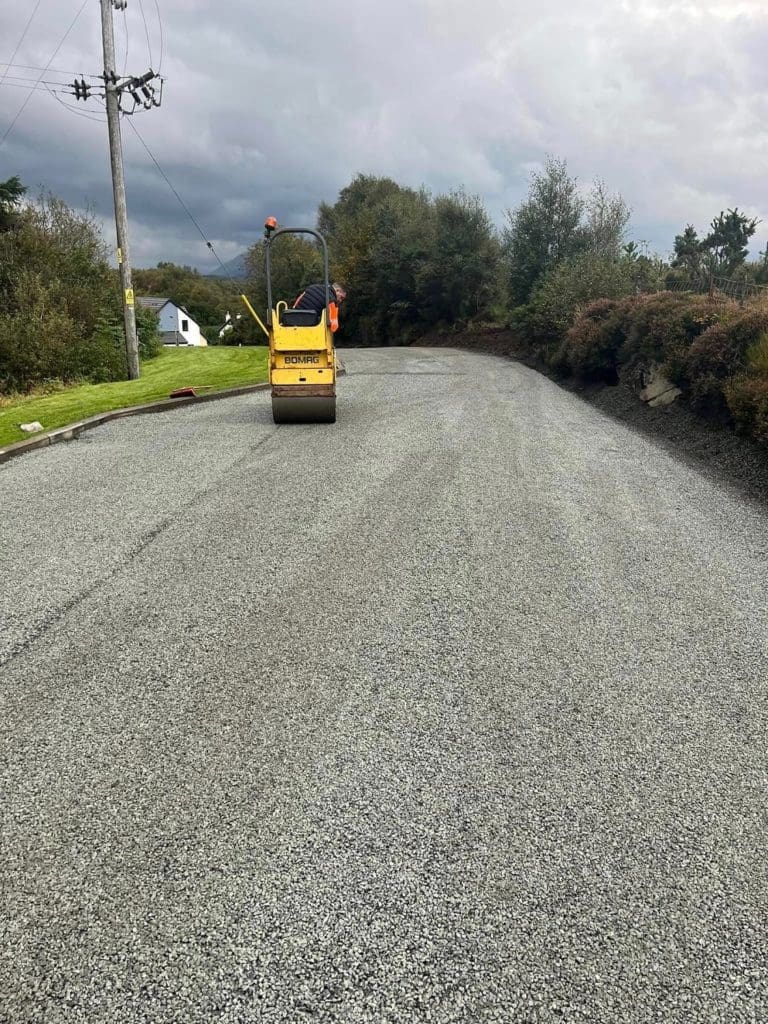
{"x": 185, "y": 325}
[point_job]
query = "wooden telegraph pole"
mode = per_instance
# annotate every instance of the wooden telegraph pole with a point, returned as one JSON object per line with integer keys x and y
{"x": 118, "y": 184}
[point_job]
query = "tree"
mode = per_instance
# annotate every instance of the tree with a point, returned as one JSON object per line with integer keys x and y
{"x": 459, "y": 280}
{"x": 412, "y": 261}
{"x": 60, "y": 245}
{"x": 647, "y": 273}
{"x": 381, "y": 236}
{"x": 761, "y": 268}
{"x": 607, "y": 218}
{"x": 296, "y": 262}
{"x": 688, "y": 251}
{"x": 349, "y": 224}
{"x": 59, "y": 309}
{"x": 543, "y": 230}
{"x": 726, "y": 246}
{"x": 11, "y": 194}
{"x": 569, "y": 286}
{"x": 207, "y": 299}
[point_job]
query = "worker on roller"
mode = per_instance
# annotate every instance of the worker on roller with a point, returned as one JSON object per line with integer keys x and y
{"x": 313, "y": 297}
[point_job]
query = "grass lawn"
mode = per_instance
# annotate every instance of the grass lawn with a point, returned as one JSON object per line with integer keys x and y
{"x": 220, "y": 367}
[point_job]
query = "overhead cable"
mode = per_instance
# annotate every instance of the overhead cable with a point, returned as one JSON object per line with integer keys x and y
{"x": 125, "y": 26}
{"x": 100, "y": 119}
{"x": 53, "y": 71}
{"x": 146, "y": 32}
{"x": 181, "y": 201}
{"x": 22, "y": 108}
{"x": 162, "y": 36}
{"x": 21, "y": 40}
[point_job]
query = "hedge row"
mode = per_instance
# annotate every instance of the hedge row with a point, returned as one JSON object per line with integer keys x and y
{"x": 60, "y": 309}
{"x": 713, "y": 349}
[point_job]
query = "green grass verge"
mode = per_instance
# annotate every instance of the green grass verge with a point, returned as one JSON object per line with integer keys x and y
{"x": 172, "y": 369}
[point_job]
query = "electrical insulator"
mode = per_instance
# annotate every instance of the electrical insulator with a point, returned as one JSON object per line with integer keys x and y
{"x": 82, "y": 89}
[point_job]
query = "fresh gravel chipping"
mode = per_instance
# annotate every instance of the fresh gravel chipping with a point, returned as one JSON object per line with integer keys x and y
{"x": 454, "y": 711}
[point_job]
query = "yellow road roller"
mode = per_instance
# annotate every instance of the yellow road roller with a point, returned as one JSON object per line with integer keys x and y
{"x": 302, "y": 358}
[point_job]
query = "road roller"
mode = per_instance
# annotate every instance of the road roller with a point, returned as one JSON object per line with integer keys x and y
{"x": 302, "y": 357}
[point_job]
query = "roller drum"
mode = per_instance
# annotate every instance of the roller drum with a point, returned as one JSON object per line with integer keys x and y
{"x": 304, "y": 409}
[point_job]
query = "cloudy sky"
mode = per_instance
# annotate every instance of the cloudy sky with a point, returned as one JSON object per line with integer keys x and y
{"x": 273, "y": 107}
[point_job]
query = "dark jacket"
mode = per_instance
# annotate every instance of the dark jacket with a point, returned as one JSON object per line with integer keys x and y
{"x": 313, "y": 297}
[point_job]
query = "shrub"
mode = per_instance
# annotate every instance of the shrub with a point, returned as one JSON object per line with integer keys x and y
{"x": 747, "y": 399}
{"x": 98, "y": 358}
{"x": 40, "y": 340}
{"x": 595, "y": 339}
{"x": 211, "y": 333}
{"x": 569, "y": 287}
{"x": 147, "y": 328}
{"x": 664, "y": 326}
{"x": 720, "y": 353}
{"x": 59, "y": 314}
{"x": 757, "y": 355}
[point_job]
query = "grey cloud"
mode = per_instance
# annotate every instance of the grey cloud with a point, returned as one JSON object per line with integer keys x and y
{"x": 269, "y": 110}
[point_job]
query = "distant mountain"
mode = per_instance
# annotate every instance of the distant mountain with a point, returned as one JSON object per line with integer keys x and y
{"x": 235, "y": 268}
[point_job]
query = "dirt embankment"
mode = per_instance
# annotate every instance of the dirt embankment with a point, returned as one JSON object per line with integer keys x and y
{"x": 711, "y": 447}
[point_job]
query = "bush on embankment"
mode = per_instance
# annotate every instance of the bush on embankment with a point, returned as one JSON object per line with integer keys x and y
{"x": 544, "y": 321}
{"x": 713, "y": 349}
{"x": 746, "y": 394}
{"x": 60, "y": 310}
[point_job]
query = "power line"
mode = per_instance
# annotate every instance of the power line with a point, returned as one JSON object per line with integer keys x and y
{"x": 42, "y": 87}
{"x": 125, "y": 26}
{"x": 146, "y": 31}
{"x": 162, "y": 36}
{"x": 54, "y": 71}
{"x": 35, "y": 81}
{"x": 181, "y": 201}
{"x": 80, "y": 113}
{"x": 22, "y": 108}
{"x": 23, "y": 36}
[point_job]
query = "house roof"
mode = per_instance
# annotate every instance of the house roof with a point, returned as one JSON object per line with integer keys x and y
{"x": 156, "y": 304}
{"x": 151, "y": 302}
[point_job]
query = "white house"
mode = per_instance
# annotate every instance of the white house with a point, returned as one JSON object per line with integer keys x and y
{"x": 176, "y": 325}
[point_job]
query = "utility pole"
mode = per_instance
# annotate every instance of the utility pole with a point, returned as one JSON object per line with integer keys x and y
{"x": 118, "y": 185}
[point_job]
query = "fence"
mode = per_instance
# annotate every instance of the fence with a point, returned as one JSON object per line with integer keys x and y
{"x": 738, "y": 288}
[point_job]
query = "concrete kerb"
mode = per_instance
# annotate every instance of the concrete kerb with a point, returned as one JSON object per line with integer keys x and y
{"x": 74, "y": 430}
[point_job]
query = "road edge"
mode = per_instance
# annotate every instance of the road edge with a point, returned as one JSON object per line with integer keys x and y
{"x": 705, "y": 445}
{"x": 73, "y": 430}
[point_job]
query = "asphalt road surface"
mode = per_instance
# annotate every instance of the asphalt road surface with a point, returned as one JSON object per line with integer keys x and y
{"x": 453, "y": 711}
